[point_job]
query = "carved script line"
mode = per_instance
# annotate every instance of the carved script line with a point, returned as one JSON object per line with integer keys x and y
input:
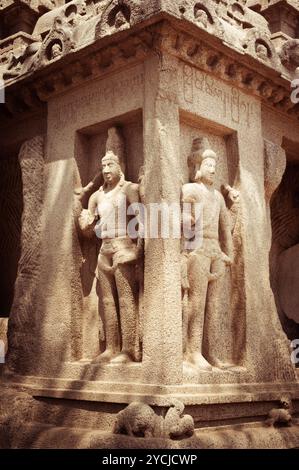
{"x": 104, "y": 95}
{"x": 232, "y": 103}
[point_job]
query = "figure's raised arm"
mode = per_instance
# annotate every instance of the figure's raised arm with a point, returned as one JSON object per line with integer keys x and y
{"x": 136, "y": 210}
{"x": 88, "y": 217}
{"x": 232, "y": 200}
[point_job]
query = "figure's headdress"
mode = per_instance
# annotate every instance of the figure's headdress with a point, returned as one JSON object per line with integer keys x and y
{"x": 110, "y": 156}
{"x": 200, "y": 150}
{"x": 115, "y": 149}
{"x": 115, "y": 144}
{"x": 209, "y": 153}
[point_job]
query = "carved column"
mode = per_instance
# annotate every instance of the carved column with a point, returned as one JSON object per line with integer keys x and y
{"x": 162, "y": 323}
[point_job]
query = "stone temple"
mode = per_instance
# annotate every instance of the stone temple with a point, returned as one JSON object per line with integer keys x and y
{"x": 149, "y": 224}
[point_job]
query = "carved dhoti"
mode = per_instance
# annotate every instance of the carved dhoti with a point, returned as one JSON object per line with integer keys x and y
{"x": 204, "y": 265}
{"x": 119, "y": 296}
{"x": 116, "y": 251}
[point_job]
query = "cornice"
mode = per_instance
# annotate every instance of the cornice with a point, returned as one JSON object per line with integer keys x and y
{"x": 162, "y": 32}
{"x": 211, "y": 55}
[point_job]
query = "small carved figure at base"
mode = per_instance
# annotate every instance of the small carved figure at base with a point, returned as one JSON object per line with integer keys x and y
{"x": 262, "y": 52}
{"x": 281, "y": 416}
{"x": 140, "y": 420}
{"x": 176, "y": 424}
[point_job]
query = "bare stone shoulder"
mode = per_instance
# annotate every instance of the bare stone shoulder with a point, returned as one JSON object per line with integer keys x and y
{"x": 190, "y": 192}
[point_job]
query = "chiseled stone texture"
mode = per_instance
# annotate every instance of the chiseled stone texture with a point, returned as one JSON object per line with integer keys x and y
{"x": 31, "y": 158}
{"x": 142, "y": 83}
{"x": 46, "y": 423}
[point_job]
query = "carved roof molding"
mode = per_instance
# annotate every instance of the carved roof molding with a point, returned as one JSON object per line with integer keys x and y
{"x": 283, "y": 21}
{"x": 241, "y": 71}
{"x": 4, "y": 4}
{"x": 90, "y": 63}
{"x": 271, "y": 4}
{"x": 60, "y": 36}
{"x": 16, "y": 42}
{"x": 253, "y": 64}
{"x": 74, "y": 13}
{"x": 40, "y": 6}
{"x": 229, "y": 20}
{"x": 232, "y": 21}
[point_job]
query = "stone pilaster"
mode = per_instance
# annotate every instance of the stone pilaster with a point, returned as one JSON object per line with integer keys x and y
{"x": 162, "y": 324}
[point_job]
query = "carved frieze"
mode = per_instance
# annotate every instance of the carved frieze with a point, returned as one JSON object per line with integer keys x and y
{"x": 198, "y": 50}
{"x": 233, "y": 22}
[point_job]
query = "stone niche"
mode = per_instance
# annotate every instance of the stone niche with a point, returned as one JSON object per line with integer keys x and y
{"x": 225, "y": 328}
{"x": 90, "y": 147}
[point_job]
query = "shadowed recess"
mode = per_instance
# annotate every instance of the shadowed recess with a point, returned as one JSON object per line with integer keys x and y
{"x": 11, "y": 207}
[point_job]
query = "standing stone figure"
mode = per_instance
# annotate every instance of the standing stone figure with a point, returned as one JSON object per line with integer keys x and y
{"x": 206, "y": 262}
{"x": 119, "y": 252}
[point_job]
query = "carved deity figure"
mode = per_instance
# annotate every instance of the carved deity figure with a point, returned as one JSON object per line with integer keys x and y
{"x": 261, "y": 51}
{"x": 56, "y": 51}
{"x": 206, "y": 262}
{"x": 120, "y": 20}
{"x": 201, "y": 17}
{"x": 118, "y": 283}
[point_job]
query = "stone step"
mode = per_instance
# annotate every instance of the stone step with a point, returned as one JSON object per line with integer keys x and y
{"x": 254, "y": 435}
